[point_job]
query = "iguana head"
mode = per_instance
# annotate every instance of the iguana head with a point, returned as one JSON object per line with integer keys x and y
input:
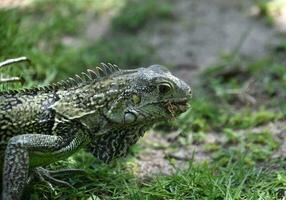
{"x": 137, "y": 99}
{"x": 148, "y": 95}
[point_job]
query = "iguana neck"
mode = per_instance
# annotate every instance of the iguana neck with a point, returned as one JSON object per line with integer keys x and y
{"x": 116, "y": 142}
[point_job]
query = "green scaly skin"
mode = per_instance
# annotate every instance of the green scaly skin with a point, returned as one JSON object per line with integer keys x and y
{"x": 106, "y": 110}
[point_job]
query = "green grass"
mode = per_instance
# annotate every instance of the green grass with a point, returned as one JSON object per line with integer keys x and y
{"x": 235, "y": 180}
{"x": 38, "y": 32}
{"x": 137, "y": 14}
{"x": 240, "y": 166}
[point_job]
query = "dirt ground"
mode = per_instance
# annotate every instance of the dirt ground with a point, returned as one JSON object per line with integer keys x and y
{"x": 157, "y": 154}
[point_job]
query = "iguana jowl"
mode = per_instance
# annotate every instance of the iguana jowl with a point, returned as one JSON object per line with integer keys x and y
{"x": 105, "y": 110}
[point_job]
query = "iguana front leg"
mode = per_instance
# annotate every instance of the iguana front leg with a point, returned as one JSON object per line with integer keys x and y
{"x": 17, "y": 158}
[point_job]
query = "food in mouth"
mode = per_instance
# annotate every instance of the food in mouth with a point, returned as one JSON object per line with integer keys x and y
{"x": 176, "y": 108}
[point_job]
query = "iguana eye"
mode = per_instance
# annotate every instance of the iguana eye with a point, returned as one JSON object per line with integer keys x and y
{"x": 136, "y": 99}
{"x": 164, "y": 88}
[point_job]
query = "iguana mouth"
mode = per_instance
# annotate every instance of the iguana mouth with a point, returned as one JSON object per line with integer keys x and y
{"x": 176, "y": 107}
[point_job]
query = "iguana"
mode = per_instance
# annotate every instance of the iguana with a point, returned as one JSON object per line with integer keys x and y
{"x": 105, "y": 110}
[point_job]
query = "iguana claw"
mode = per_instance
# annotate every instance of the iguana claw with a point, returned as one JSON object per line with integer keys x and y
{"x": 48, "y": 176}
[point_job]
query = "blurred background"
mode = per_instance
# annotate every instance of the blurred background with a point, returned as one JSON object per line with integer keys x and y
{"x": 229, "y": 145}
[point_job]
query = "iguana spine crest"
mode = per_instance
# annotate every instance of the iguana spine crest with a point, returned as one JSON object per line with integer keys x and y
{"x": 85, "y": 78}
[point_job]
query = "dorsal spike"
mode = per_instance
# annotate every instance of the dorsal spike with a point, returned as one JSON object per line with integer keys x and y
{"x": 111, "y": 68}
{"x": 92, "y": 74}
{"x": 78, "y": 79}
{"x": 41, "y": 88}
{"x": 12, "y": 92}
{"x": 54, "y": 86}
{"x": 100, "y": 72}
{"x": 72, "y": 81}
{"x": 115, "y": 67}
{"x": 86, "y": 76}
{"x": 66, "y": 84}
{"x": 105, "y": 68}
{"x": 49, "y": 87}
{"x": 63, "y": 84}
